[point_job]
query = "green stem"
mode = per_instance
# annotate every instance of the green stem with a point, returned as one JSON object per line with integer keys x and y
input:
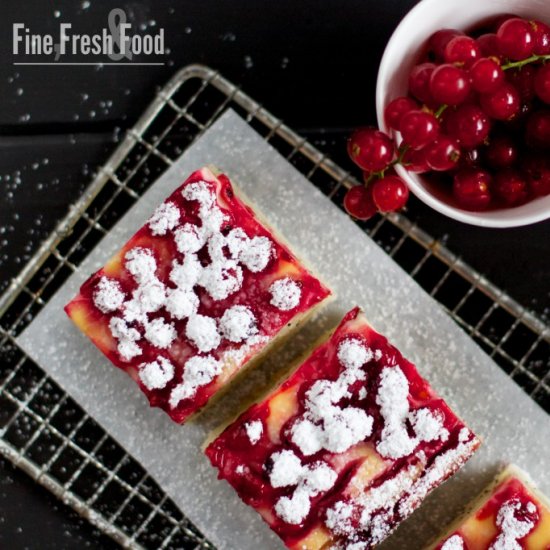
{"x": 527, "y": 61}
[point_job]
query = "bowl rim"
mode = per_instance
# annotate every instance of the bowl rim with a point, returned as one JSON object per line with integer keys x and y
{"x": 490, "y": 218}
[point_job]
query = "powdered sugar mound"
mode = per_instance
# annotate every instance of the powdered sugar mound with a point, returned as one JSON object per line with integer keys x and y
{"x": 181, "y": 303}
{"x": 287, "y": 471}
{"x": 198, "y": 371}
{"x": 164, "y": 219}
{"x": 126, "y": 336}
{"x": 339, "y": 518}
{"x": 456, "y": 542}
{"x": 157, "y": 374}
{"x": 141, "y": 263}
{"x": 221, "y": 279}
{"x": 256, "y": 254}
{"x": 285, "y": 294}
{"x": 237, "y": 240}
{"x": 238, "y": 324}
{"x": 199, "y": 191}
{"x": 150, "y": 295}
{"x": 513, "y": 525}
{"x": 189, "y": 238}
{"x": 353, "y": 354}
{"x": 395, "y": 441}
{"x": 160, "y": 333}
{"x": 254, "y": 431}
{"x": 108, "y": 295}
{"x": 188, "y": 273}
{"x": 203, "y": 332}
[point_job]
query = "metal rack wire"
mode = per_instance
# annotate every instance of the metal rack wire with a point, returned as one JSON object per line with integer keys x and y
{"x": 45, "y": 433}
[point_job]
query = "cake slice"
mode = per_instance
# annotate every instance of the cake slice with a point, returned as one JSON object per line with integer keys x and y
{"x": 346, "y": 447}
{"x": 511, "y": 514}
{"x": 202, "y": 290}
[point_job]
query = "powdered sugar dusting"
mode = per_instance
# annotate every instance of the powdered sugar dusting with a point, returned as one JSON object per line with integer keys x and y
{"x": 157, "y": 374}
{"x": 203, "y": 332}
{"x": 238, "y": 323}
{"x": 254, "y": 431}
{"x": 198, "y": 371}
{"x": 127, "y": 338}
{"x": 160, "y": 333}
{"x": 514, "y": 524}
{"x": 108, "y": 296}
{"x": 285, "y": 294}
{"x": 165, "y": 218}
{"x": 456, "y": 542}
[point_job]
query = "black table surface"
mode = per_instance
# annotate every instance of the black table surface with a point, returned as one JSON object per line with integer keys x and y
{"x": 311, "y": 63}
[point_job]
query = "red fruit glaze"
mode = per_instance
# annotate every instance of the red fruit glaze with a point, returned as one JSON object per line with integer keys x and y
{"x": 462, "y": 50}
{"x": 504, "y": 104}
{"x": 419, "y": 82}
{"x": 418, "y": 128}
{"x": 439, "y": 40}
{"x": 487, "y": 75}
{"x": 501, "y": 152}
{"x": 541, "y": 33}
{"x": 358, "y": 203}
{"x": 147, "y": 285}
{"x": 449, "y": 85}
{"x": 252, "y": 464}
{"x": 396, "y": 109}
{"x": 471, "y": 189}
{"x": 515, "y": 39}
{"x": 510, "y": 187}
{"x": 469, "y": 125}
{"x": 370, "y": 149}
{"x": 390, "y": 193}
{"x": 542, "y": 83}
{"x": 443, "y": 154}
{"x": 509, "y": 509}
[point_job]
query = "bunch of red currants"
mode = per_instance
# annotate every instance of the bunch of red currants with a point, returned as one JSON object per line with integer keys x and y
{"x": 476, "y": 123}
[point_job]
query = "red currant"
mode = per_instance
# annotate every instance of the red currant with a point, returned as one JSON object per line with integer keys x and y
{"x": 418, "y": 128}
{"x": 487, "y": 76}
{"x": 469, "y": 125}
{"x": 462, "y": 50}
{"x": 541, "y": 33}
{"x": 504, "y": 104}
{"x": 537, "y": 169}
{"x": 396, "y": 109}
{"x": 415, "y": 161}
{"x": 538, "y": 129}
{"x": 443, "y": 154}
{"x": 390, "y": 193}
{"x": 501, "y": 152}
{"x": 523, "y": 80}
{"x": 542, "y": 83}
{"x": 419, "y": 81}
{"x": 358, "y": 203}
{"x": 488, "y": 45}
{"x": 515, "y": 39}
{"x": 370, "y": 149}
{"x": 439, "y": 40}
{"x": 510, "y": 187}
{"x": 449, "y": 85}
{"x": 471, "y": 189}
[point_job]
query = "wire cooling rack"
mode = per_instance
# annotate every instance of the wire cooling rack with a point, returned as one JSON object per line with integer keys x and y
{"x": 47, "y": 434}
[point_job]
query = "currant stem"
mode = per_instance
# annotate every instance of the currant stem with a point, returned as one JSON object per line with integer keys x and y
{"x": 527, "y": 61}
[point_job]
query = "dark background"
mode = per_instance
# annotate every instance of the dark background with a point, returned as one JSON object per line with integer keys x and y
{"x": 311, "y": 63}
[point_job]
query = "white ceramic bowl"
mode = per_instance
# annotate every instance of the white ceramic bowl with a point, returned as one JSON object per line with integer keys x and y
{"x": 400, "y": 56}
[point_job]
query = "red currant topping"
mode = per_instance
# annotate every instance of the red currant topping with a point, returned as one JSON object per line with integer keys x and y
{"x": 449, "y": 85}
{"x": 523, "y": 80}
{"x": 542, "y": 83}
{"x": 541, "y": 33}
{"x": 443, "y": 154}
{"x": 515, "y": 39}
{"x": 504, "y": 104}
{"x": 462, "y": 50}
{"x": 390, "y": 193}
{"x": 538, "y": 129}
{"x": 418, "y": 128}
{"x": 370, "y": 149}
{"x": 502, "y": 152}
{"x": 471, "y": 189}
{"x": 469, "y": 125}
{"x": 486, "y": 75}
{"x": 439, "y": 40}
{"x": 415, "y": 161}
{"x": 511, "y": 187}
{"x": 358, "y": 203}
{"x": 488, "y": 45}
{"x": 419, "y": 81}
{"x": 396, "y": 109}
{"x": 537, "y": 168}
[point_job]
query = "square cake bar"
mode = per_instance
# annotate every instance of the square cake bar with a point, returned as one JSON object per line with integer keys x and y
{"x": 511, "y": 514}
{"x": 201, "y": 290}
{"x": 346, "y": 447}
